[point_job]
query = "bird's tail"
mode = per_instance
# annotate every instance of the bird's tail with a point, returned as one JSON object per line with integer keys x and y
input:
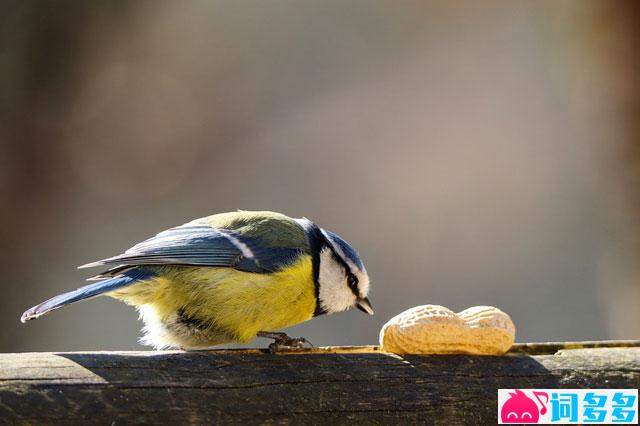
{"x": 125, "y": 279}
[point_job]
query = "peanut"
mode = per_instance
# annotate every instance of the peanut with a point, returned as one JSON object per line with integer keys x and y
{"x": 434, "y": 329}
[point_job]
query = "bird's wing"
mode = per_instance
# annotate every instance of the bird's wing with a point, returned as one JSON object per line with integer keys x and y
{"x": 202, "y": 245}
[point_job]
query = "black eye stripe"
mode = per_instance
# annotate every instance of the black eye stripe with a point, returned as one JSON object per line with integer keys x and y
{"x": 352, "y": 280}
{"x": 340, "y": 260}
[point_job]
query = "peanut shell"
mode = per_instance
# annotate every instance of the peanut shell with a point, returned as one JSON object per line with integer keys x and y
{"x": 434, "y": 329}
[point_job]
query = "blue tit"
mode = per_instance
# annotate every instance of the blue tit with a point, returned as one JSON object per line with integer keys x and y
{"x": 229, "y": 278}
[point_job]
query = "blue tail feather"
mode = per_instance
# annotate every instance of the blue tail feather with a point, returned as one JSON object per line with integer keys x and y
{"x": 92, "y": 290}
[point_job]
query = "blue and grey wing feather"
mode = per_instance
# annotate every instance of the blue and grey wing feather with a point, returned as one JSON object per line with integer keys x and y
{"x": 87, "y": 292}
{"x": 199, "y": 245}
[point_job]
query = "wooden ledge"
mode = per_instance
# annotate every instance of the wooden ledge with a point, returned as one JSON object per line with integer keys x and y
{"x": 353, "y": 384}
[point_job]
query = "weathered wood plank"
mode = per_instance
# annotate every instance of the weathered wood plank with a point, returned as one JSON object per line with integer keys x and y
{"x": 323, "y": 385}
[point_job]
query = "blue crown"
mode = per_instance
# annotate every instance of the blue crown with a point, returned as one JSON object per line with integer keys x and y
{"x": 346, "y": 248}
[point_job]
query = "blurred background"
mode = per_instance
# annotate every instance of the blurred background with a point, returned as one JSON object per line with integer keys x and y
{"x": 474, "y": 153}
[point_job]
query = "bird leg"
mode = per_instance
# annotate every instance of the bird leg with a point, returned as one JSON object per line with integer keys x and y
{"x": 281, "y": 341}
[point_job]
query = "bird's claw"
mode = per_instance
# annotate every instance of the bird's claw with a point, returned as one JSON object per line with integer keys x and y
{"x": 289, "y": 343}
{"x": 282, "y": 341}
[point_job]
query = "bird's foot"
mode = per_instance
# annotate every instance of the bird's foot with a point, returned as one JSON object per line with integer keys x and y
{"x": 282, "y": 341}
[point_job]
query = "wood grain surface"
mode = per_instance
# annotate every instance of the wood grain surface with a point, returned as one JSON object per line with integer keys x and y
{"x": 337, "y": 385}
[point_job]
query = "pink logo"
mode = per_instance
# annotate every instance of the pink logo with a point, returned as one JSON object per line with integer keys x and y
{"x": 519, "y": 408}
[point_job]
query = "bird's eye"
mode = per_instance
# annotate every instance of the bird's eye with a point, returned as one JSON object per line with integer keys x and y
{"x": 352, "y": 280}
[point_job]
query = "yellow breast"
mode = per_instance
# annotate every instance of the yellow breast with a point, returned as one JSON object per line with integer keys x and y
{"x": 241, "y": 303}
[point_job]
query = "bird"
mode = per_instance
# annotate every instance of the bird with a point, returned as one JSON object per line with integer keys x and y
{"x": 229, "y": 278}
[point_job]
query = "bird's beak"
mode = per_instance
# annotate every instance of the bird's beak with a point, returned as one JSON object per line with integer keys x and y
{"x": 364, "y": 305}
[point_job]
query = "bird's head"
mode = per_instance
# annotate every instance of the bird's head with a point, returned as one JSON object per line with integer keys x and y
{"x": 343, "y": 282}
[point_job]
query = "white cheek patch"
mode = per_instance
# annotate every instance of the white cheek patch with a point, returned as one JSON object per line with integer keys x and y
{"x": 335, "y": 295}
{"x": 363, "y": 277}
